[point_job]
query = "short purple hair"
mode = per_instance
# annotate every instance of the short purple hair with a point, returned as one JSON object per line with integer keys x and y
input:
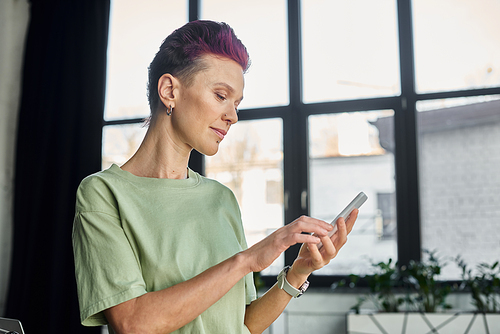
{"x": 181, "y": 53}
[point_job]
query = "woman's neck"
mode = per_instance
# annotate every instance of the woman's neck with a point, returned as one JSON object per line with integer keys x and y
{"x": 158, "y": 156}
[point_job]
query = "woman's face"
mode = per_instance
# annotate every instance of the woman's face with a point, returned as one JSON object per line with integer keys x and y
{"x": 205, "y": 111}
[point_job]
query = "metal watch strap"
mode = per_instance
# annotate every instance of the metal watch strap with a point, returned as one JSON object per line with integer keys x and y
{"x": 287, "y": 287}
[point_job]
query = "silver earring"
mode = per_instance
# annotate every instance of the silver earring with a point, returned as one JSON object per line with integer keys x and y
{"x": 169, "y": 110}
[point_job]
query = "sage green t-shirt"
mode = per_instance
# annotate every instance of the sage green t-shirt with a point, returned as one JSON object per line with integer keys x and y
{"x": 134, "y": 235}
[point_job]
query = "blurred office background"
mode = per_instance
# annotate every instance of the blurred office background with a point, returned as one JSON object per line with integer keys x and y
{"x": 399, "y": 99}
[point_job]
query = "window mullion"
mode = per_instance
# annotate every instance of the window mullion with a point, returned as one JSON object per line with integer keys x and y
{"x": 407, "y": 186}
{"x": 295, "y": 130}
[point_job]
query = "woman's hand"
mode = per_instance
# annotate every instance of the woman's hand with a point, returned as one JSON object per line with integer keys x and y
{"x": 311, "y": 258}
{"x": 266, "y": 309}
{"x": 262, "y": 254}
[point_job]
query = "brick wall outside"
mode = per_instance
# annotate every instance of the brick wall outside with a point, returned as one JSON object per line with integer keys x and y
{"x": 460, "y": 194}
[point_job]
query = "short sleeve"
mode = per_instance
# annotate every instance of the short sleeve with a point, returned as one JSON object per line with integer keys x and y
{"x": 107, "y": 270}
{"x": 250, "y": 291}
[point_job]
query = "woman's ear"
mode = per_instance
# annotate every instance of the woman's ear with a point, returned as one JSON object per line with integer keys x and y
{"x": 167, "y": 85}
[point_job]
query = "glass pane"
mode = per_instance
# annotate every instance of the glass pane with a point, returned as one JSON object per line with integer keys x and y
{"x": 262, "y": 27}
{"x": 457, "y": 44}
{"x": 349, "y": 153}
{"x": 250, "y": 162}
{"x": 350, "y": 49}
{"x": 120, "y": 142}
{"x": 135, "y": 34}
{"x": 459, "y": 157}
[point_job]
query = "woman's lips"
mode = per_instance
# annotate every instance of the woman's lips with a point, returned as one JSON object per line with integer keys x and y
{"x": 219, "y": 132}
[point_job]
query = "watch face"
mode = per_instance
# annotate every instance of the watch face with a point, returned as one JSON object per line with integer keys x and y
{"x": 304, "y": 286}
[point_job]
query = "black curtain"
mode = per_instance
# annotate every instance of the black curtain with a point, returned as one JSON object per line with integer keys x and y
{"x": 58, "y": 143}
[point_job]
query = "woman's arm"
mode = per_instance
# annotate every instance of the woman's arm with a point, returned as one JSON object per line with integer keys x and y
{"x": 167, "y": 310}
{"x": 261, "y": 313}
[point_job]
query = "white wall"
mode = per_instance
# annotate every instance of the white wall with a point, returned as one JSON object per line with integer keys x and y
{"x": 14, "y": 15}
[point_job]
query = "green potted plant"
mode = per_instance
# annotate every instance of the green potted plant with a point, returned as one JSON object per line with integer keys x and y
{"x": 383, "y": 285}
{"x": 484, "y": 285}
{"x": 416, "y": 286}
{"x": 428, "y": 293}
{"x": 405, "y": 298}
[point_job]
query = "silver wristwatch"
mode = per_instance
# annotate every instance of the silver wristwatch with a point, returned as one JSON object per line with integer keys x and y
{"x": 291, "y": 290}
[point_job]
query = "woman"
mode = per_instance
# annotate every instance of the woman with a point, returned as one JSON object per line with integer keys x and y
{"x": 159, "y": 248}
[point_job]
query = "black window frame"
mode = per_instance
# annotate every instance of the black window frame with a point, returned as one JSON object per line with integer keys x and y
{"x": 295, "y": 133}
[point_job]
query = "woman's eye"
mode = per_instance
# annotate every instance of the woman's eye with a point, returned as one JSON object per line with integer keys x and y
{"x": 220, "y": 97}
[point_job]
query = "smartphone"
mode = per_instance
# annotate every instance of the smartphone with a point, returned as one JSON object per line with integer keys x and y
{"x": 355, "y": 204}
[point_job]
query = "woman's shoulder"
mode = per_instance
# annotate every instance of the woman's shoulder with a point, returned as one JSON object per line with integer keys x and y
{"x": 97, "y": 188}
{"x": 98, "y": 179}
{"x": 215, "y": 184}
{"x": 215, "y": 187}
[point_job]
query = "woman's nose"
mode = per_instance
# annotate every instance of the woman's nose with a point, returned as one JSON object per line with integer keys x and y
{"x": 231, "y": 117}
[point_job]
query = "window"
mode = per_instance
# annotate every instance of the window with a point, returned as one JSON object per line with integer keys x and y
{"x": 349, "y": 49}
{"x": 135, "y": 34}
{"x": 250, "y": 162}
{"x": 459, "y": 141}
{"x": 120, "y": 142}
{"x": 261, "y": 26}
{"x": 385, "y": 216}
{"x": 349, "y": 153}
{"x": 342, "y": 97}
{"x": 456, "y": 44}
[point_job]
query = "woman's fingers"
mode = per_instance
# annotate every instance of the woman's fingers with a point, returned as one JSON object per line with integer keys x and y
{"x": 329, "y": 249}
{"x": 334, "y": 244}
{"x": 305, "y": 230}
{"x": 310, "y": 225}
{"x": 346, "y": 227}
{"x": 311, "y": 258}
{"x": 351, "y": 220}
{"x": 300, "y": 238}
{"x": 299, "y": 231}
